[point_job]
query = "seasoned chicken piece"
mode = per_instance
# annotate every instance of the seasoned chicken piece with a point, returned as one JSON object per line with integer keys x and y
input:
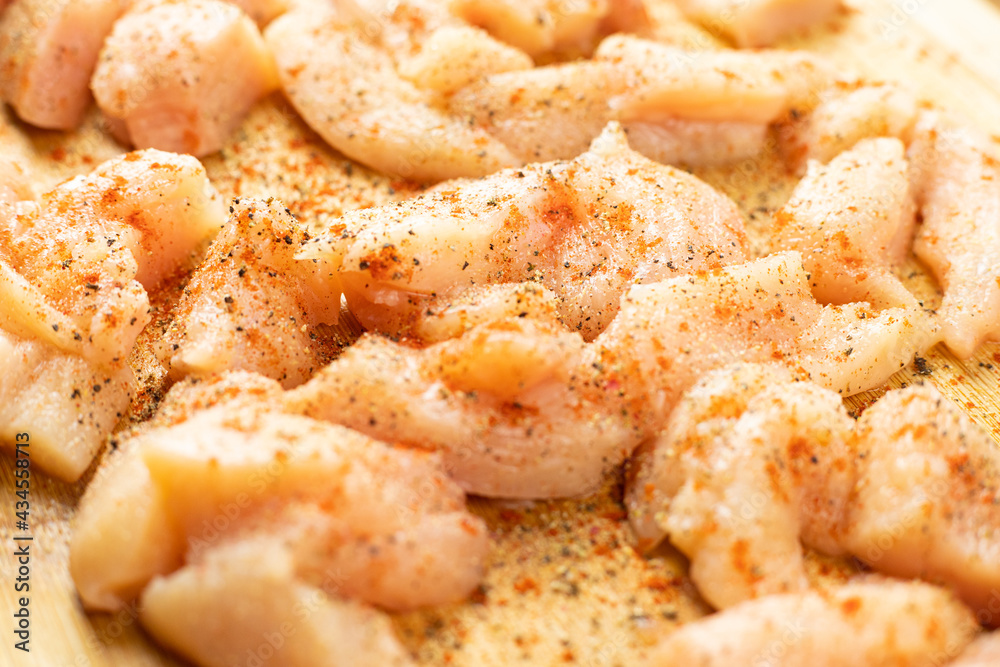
{"x": 67, "y": 405}
{"x": 586, "y": 229}
{"x": 74, "y": 268}
{"x": 958, "y": 189}
{"x": 238, "y": 472}
{"x": 542, "y": 27}
{"x": 250, "y": 305}
{"x": 122, "y": 510}
{"x": 48, "y": 50}
{"x": 750, "y": 463}
{"x": 842, "y": 120}
{"x": 873, "y": 622}
{"x": 668, "y": 334}
{"x": 668, "y": 82}
{"x": 671, "y": 98}
{"x": 755, "y": 23}
{"x": 520, "y": 410}
{"x": 15, "y": 182}
{"x": 185, "y": 100}
{"x": 245, "y": 600}
{"x": 926, "y": 503}
{"x": 348, "y": 88}
{"x": 984, "y": 651}
{"x": 433, "y": 68}
{"x": 546, "y": 113}
{"x": 512, "y": 406}
{"x": 853, "y": 220}
{"x": 484, "y": 304}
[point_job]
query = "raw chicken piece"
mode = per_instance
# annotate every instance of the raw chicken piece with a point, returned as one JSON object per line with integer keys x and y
{"x": 245, "y": 602}
{"x": 671, "y": 98}
{"x": 750, "y": 463}
{"x": 348, "y": 88}
{"x": 48, "y": 50}
{"x": 749, "y": 459}
{"x": 250, "y": 305}
{"x": 926, "y": 503}
{"x": 957, "y": 183}
{"x": 853, "y": 220}
{"x": 484, "y": 304}
{"x": 586, "y": 229}
{"x": 755, "y": 87}
{"x": 668, "y": 334}
{"x": 239, "y": 472}
{"x": 67, "y": 405}
{"x": 755, "y": 23}
{"x": 875, "y": 623}
{"x": 124, "y": 513}
{"x": 844, "y": 119}
{"x": 512, "y": 407}
{"x": 546, "y": 113}
{"x": 542, "y": 27}
{"x": 186, "y": 100}
{"x": 434, "y": 67}
{"x": 984, "y": 651}
{"x": 74, "y": 269}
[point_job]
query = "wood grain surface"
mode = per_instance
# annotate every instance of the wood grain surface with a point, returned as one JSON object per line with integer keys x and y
{"x": 564, "y": 586}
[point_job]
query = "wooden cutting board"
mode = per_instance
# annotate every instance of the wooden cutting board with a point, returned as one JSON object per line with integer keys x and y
{"x": 563, "y": 586}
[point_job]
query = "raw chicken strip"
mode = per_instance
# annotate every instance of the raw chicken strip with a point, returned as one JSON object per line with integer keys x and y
{"x": 349, "y": 90}
{"x": 250, "y": 305}
{"x": 67, "y": 405}
{"x": 74, "y": 269}
{"x": 237, "y": 472}
{"x": 756, "y": 23}
{"x": 750, "y": 463}
{"x": 668, "y": 334}
{"x": 853, "y": 220}
{"x": 958, "y": 189}
{"x": 844, "y": 119}
{"x": 48, "y": 50}
{"x": 875, "y": 623}
{"x": 984, "y": 651}
{"x": 671, "y": 98}
{"x": 512, "y": 406}
{"x": 926, "y": 503}
{"x": 246, "y": 602}
{"x": 185, "y": 100}
{"x": 668, "y": 82}
{"x": 585, "y": 229}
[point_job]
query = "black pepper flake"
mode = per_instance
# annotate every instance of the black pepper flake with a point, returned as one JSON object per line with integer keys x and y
{"x": 55, "y": 327}
{"x": 242, "y": 272}
{"x": 97, "y": 388}
{"x": 465, "y": 266}
{"x": 921, "y": 367}
{"x": 228, "y": 299}
{"x": 75, "y": 394}
{"x": 363, "y": 265}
